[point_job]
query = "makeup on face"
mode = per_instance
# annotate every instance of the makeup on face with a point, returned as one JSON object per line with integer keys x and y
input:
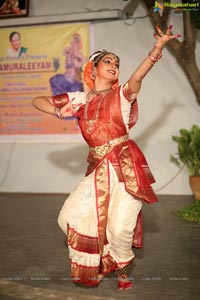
{"x": 109, "y": 59}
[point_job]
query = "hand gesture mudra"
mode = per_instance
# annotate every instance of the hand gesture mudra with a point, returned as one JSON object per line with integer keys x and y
{"x": 69, "y": 109}
{"x": 164, "y": 38}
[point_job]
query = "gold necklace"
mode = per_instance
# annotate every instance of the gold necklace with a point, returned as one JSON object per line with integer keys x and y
{"x": 91, "y": 122}
{"x": 99, "y": 92}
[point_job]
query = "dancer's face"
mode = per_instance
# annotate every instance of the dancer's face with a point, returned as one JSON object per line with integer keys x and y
{"x": 108, "y": 67}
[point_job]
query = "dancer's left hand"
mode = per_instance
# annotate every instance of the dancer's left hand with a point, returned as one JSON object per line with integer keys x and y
{"x": 164, "y": 38}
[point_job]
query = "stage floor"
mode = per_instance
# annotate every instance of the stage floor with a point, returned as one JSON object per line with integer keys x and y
{"x": 34, "y": 255}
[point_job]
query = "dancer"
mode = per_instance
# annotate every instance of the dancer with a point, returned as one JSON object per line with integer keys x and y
{"x": 102, "y": 216}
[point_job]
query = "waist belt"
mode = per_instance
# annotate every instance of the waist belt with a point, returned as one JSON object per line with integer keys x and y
{"x": 103, "y": 149}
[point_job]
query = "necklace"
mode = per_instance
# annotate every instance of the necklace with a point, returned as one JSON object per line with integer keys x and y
{"x": 91, "y": 122}
{"x": 99, "y": 92}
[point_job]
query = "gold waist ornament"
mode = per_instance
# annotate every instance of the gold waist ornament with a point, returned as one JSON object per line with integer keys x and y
{"x": 103, "y": 149}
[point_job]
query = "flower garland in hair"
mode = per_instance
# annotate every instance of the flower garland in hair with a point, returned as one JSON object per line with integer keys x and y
{"x": 88, "y": 71}
{"x": 87, "y": 75}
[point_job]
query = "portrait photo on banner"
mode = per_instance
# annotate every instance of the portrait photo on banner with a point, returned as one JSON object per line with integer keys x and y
{"x": 14, "y": 8}
{"x": 40, "y": 61}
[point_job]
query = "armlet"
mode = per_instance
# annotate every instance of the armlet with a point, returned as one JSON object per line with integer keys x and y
{"x": 128, "y": 93}
{"x": 60, "y": 100}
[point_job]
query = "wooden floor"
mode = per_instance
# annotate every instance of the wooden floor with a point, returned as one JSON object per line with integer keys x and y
{"x": 34, "y": 256}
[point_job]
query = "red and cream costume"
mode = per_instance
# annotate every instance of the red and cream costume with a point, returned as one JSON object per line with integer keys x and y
{"x": 102, "y": 216}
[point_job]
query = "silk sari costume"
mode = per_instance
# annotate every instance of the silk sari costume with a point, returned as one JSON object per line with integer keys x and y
{"x": 102, "y": 216}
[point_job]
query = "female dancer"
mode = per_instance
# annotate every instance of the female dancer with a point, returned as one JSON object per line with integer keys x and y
{"x": 102, "y": 216}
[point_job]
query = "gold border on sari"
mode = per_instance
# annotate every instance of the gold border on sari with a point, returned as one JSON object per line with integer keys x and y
{"x": 82, "y": 242}
{"x": 102, "y": 200}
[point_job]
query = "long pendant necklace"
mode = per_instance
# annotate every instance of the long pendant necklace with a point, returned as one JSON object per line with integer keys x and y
{"x": 91, "y": 122}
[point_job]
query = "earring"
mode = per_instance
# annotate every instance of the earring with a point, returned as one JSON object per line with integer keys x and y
{"x": 93, "y": 76}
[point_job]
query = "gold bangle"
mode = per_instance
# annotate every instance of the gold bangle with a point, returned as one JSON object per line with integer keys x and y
{"x": 58, "y": 115}
{"x": 154, "y": 59}
{"x": 151, "y": 62}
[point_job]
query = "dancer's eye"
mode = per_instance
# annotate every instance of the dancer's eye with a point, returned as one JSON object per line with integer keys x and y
{"x": 106, "y": 61}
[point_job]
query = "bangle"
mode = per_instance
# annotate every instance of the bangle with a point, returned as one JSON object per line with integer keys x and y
{"x": 57, "y": 113}
{"x": 154, "y": 59}
{"x": 151, "y": 62}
